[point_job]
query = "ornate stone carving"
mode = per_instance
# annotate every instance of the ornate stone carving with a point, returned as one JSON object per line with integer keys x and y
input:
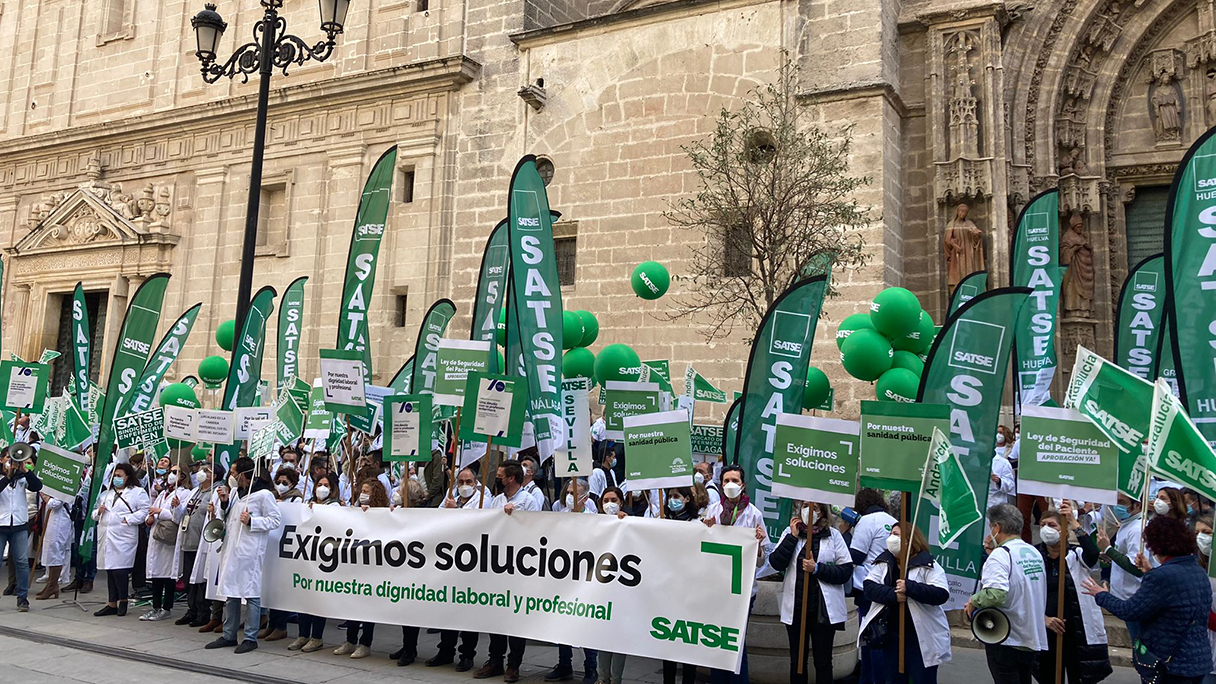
{"x": 1105, "y": 29}
{"x": 83, "y": 227}
{"x": 1077, "y": 255}
{"x": 1070, "y": 124}
{"x": 1081, "y": 194}
{"x": 1165, "y": 95}
{"x": 1072, "y": 162}
{"x": 964, "y": 121}
{"x": 963, "y": 178}
{"x": 963, "y": 246}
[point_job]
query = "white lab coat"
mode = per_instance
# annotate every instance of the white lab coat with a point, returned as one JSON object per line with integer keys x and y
{"x": 1127, "y": 540}
{"x": 1002, "y": 492}
{"x": 932, "y": 628}
{"x": 208, "y": 554}
{"x": 240, "y": 572}
{"x": 118, "y": 527}
{"x": 57, "y": 537}
{"x": 832, "y": 551}
{"x": 162, "y": 557}
{"x": 1091, "y": 614}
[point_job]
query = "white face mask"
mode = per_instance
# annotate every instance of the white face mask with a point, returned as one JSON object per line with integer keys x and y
{"x": 199, "y": 478}
{"x": 732, "y": 490}
{"x": 282, "y": 488}
{"x": 396, "y": 498}
{"x": 698, "y": 478}
{"x": 365, "y": 498}
{"x": 1205, "y": 543}
{"x": 611, "y": 507}
{"x": 172, "y": 479}
{"x": 414, "y": 477}
{"x": 322, "y": 493}
{"x": 465, "y": 491}
{"x": 233, "y": 483}
{"x": 570, "y": 501}
{"x": 288, "y": 465}
{"x": 1049, "y": 535}
{"x": 1000, "y": 438}
{"x": 893, "y": 544}
{"x": 806, "y": 516}
{"x": 1161, "y": 507}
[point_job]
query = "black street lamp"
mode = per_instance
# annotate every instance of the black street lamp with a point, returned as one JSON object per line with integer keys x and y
{"x": 272, "y": 48}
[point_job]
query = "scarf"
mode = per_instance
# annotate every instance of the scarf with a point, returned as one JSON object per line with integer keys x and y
{"x": 728, "y": 515}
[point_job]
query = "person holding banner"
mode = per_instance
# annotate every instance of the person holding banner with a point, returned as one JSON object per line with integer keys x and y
{"x": 312, "y": 627}
{"x": 1012, "y": 581}
{"x": 120, "y": 512}
{"x": 922, "y": 598}
{"x": 56, "y": 544}
{"x": 817, "y": 577}
{"x": 465, "y": 494}
{"x": 1086, "y": 660}
{"x": 164, "y": 519}
{"x": 285, "y": 486}
{"x": 1171, "y": 606}
{"x": 194, "y": 555}
{"x": 1124, "y": 575}
{"x": 577, "y": 501}
{"x": 610, "y": 504}
{"x": 575, "y": 498}
{"x": 372, "y": 495}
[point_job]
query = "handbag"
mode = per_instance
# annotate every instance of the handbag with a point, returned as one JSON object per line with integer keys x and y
{"x": 1148, "y": 665}
{"x": 165, "y": 531}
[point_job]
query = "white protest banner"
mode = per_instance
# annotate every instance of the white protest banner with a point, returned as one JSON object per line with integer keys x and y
{"x": 616, "y": 585}
{"x": 573, "y": 454}
{"x": 342, "y": 380}
{"x": 214, "y": 427}
{"x": 180, "y": 422}
{"x": 248, "y": 419}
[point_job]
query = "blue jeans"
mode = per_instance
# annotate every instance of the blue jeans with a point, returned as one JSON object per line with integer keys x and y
{"x": 18, "y": 542}
{"x": 232, "y": 618}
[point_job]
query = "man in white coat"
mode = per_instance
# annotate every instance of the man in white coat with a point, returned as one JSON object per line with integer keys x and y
{"x": 249, "y": 520}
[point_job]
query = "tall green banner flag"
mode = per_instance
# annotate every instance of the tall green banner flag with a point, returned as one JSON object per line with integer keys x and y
{"x": 291, "y": 320}
{"x": 1036, "y": 264}
{"x": 426, "y": 347}
{"x": 775, "y": 383}
{"x": 730, "y": 431}
{"x": 164, "y": 356}
{"x": 1176, "y": 449}
{"x": 361, "y": 259}
{"x": 536, "y": 301}
{"x": 966, "y": 370}
{"x": 491, "y": 289}
{"x": 1116, "y": 401}
{"x": 400, "y": 384}
{"x": 245, "y": 370}
{"x": 1190, "y": 267}
{"x": 970, "y": 287}
{"x": 1141, "y": 314}
{"x": 130, "y": 357}
{"x": 82, "y": 347}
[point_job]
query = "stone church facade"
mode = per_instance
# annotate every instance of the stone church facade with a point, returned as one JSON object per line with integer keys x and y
{"x": 117, "y": 161}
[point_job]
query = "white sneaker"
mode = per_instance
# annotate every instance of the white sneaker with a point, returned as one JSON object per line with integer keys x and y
{"x": 313, "y": 645}
{"x": 42, "y": 579}
{"x": 297, "y": 644}
{"x": 345, "y": 649}
{"x": 158, "y": 615}
{"x": 148, "y": 615}
{"x": 361, "y": 652}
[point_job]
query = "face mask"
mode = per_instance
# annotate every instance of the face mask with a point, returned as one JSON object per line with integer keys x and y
{"x": 732, "y": 490}
{"x": 806, "y": 516}
{"x": 1000, "y": 439}
{"x": 465, "y": 491}
{"x": 198, "y": 478}
{"x": 414, "y": 478}
{"x": 498, "y": 484}
{"x": 676, "y": 505}
{"x": 612, "y": 463}
{"x": 893, "y": 544}
{"x": 161, "y": 471}
{"x": 322, "y": 493}
{"x": 570, "y": 501}
{"x": 233, "y": 483}
{"x": 288, "y": 465}
{"x": 1049, "y": 535}
{"x": 118, "y": 482}
{"x": 396, "y": 498}
{"x": 1161, "y": 507}
{"x": 365, "y": 498}
{"x": 1205, "y": 543}
{"x": 172, "y": 478}
{"x": 611, "y": 507}
{"x": 1121, "y": 512}
{"x": 282, "y": 488}
{"x": 698, "y": 478}
{"x": 1190, "y": 510}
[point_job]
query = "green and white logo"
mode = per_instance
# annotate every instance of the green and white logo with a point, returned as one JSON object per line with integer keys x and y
{"x": 970, "y": 356}
{"x": 790, "y": 329}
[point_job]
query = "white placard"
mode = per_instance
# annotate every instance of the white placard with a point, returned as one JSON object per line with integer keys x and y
{"x": 493, "y": 416}
{"x": 180, "y": 423}
{"x": 247, "y": 418}
{"x": 214, "y": 427}
{"x": 22, "y": 387}
{"x": 572, "y": 458}
{"x": 405, "y": 426}
{"x": 342, "y": 380}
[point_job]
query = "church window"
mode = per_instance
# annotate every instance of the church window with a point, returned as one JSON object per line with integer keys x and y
{"x": 737, "y": 251}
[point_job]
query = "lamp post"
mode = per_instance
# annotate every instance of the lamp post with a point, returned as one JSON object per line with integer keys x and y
{"x": 271, "y": 48}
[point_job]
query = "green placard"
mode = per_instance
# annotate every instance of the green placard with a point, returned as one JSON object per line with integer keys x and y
{"x": 407, "y": 427}
{"x": 895, "y": 440}
{"x": 659, "y": 449}
{"x": 659, "y": 372}
{"x": 453, "y": 363}
{"x": 624, "y": 399}
{"x": 261, "y": 444}
{"x": 23, "y": 385}
{"x": 816, "y": 459}
{"x": 60, "y": 472}
{"x": 706, "y": 439}
{"x": 140, "y": 429}
{"x": 320, "y": 420}
{"x": 1063, "y": 455}
{"x": 289, "y": 418}
{"x": 494, "y": 409}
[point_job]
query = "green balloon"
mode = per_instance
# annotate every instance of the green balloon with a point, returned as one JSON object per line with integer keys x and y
{"x": 897, "y": 384}
{"x": 895, "y": 312}
{"x": 226, "y": 334}
{"x": 500, "y": 333}
{"x": 591, "y": 327}
{"x": 928, "y": 331}
{"x": 817, "y": 389}
{"x": 572, "y": 330}
{"x": 866, "y": 355}
{"x": 858, "y": 321}
{"x": 618, "y": 362}
{"x": 213, "y": 370}
{"x": 914, "y": 341}
{"x": 578, "y": 363}
{"x": 908, "y": 361}
{"x": 650, "y": 280}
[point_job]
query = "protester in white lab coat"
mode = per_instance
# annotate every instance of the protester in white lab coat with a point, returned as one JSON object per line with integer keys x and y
{"x": 465, "y": 494}
{"x": 1203, "y": 539}
{"x": 530, "y": 466}
{"x": 1001, "y": 481}
{"x": 823, "y": 574}
{"x": 163, "y": 521}
{"x": 193, "y": 550}
{"x": 603, "y": 476}
{"x": 1122, "y": 552}
{"x": 119, "y": 513}
{"x": 285, "y": 491}
{"x": 574, "y": 499}
{"x": 359, "y": 634}
{"x": 867, "y": 540}
{"x": 250, "y": 514}
{"x": 57, "y": 534}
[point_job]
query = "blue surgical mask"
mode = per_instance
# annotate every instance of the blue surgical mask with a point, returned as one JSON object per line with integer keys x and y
{"x": 1121, "y": 512}
{"x": 676, "y": 505}
{"x": 612, "y": 463}
{"x": 161, "y": 471}
{"x": 118, "y": 481}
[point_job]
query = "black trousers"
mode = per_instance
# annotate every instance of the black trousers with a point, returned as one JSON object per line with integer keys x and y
{"x": 162, "y": 592}
{"x": 117, "y": 584}
{"x": 352, "y": 633}
{"x": 819, "y": 639}
{"x": 499, "y": 643}
{"x": 670, "y": 670}
{"x": 139, "y": 576}
{"x": 409, "y": 640}
{"x": 1009, "y": 665}
{"x": 447, "y": 643}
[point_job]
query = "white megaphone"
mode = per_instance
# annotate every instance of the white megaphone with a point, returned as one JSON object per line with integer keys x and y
{"x": 214, "y": 531}
{"x": 990, "y": 626}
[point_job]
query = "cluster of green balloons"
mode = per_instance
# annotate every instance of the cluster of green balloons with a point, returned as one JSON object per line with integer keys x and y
{"x": 887, "y": 345}
{"x": 650, "y": 280}
{"x": 579, "y": 329}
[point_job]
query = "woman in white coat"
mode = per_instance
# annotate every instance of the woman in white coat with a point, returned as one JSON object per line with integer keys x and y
{"x": 56, "y": 545}
{"x": 164, "y": 519}
{"x": 922, "y": 597}
{"x": 821, "y": 576}
{"x": 119, "y": 513}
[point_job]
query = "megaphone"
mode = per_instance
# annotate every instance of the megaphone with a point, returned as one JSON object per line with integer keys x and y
{"x": 990, "y": 626}
{"x": 20, "y": 451}
{"x": 214, "y": 531}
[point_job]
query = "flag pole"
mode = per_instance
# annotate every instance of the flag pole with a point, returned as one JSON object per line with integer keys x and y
{"x": 485, "y": 475}
{"x": 906, "y": 545}
{"x": 1060, "y": 598}
{"x": 455, "y": 452}
{"x": 806, "y": 590}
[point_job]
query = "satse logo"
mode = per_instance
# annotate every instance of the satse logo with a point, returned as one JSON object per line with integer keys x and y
{"x": 370, "y": 231}
{"x": 974, "y": 349}
{"x": 789, "y": 333}
{"x": 1203, "y": 182}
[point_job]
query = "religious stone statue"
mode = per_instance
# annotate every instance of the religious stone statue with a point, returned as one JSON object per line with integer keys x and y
{"x": 1168, "y": 125}
{"x": 1073, "y": 162}
{"x": 964, "y": 247}
{"x": 1210, "y": 93}
{"x": 1077, "y": 256}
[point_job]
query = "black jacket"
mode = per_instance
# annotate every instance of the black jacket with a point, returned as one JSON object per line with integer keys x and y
{"x": 1092, "y": 663}
{"x": 916, "y": 591}
{"x": 782, "y": 558}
